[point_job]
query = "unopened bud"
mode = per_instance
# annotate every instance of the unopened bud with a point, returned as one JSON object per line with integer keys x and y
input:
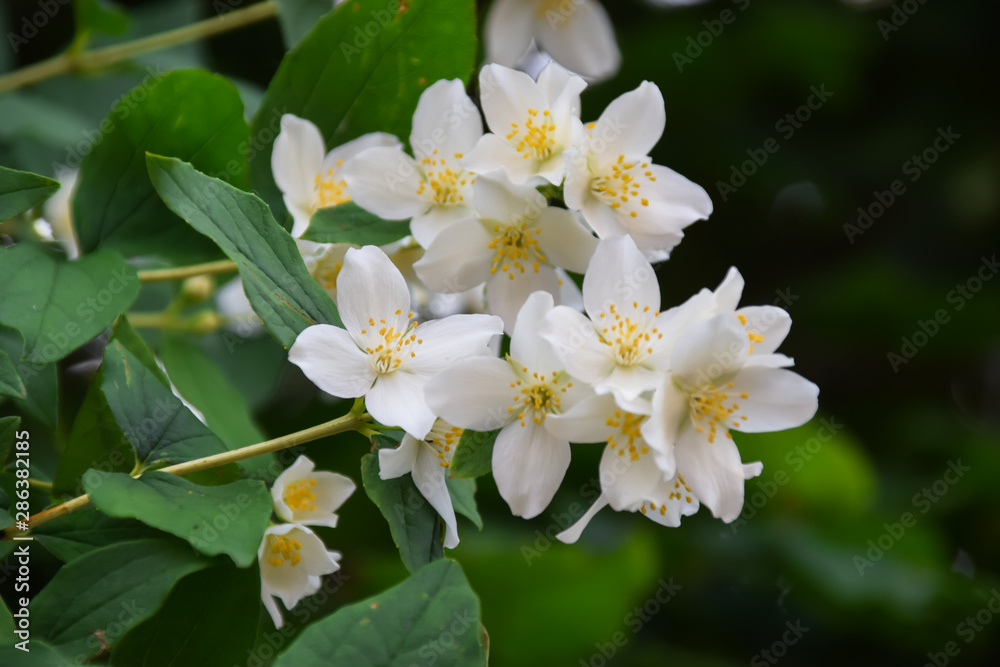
{"x": 197, "y": 288}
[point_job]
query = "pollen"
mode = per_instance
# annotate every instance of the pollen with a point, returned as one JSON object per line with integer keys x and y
{"x": 538, "y": 395}
{"x": 628, "y": 440}
{"x": 536, "y": 139}
{"x": 283, "y": 549}
{"x": 329, "y": 190}
{"x": 621, "y": 185}
{"x": 300, "y": 495}
{"x": 443, "y": 439}
{"x": 516, "y": 249}
{"x": 446, "y": 184}
{"x": 712, "y": 409}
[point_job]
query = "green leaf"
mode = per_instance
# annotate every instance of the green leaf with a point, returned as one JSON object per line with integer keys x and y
{"x": 41, "y": 655}
{"x": 349, "y": 223}
{"x": 298, "y": 17}
{"x": 473, "y": 454}
{"x": 22, "y": 190}
{"x": 189, "y": 114}
{"x": 228, "y": 519}
{"x": 211, "y": 617}
{"x": 275, "y": 278}
{"x": 350, "y": 83}
{"x": 405, "y": 625}
{"x": 10, "y": 381}
{"x": 463, "y": 499}
{"x": 416, "y": 528}
{"x": 58, "y": 306}
{"x": 96, "y": 441}
{"x": 40, "y": 380}
{"x": 70, "y": 536}
{"x": 108, "y": 591}
{"x": 97, "y": 16}
{"x": 162, "y": 431}
{"x": 6, "y": 626}
{"x": 8, "y": 434}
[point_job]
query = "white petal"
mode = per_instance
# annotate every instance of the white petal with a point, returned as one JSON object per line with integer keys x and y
{"x": 572, "y": 534}
{"x": 585, "y": 422}
{"x": 474, "y": 394}
{"x": 452, "y": 339}
{"x": 397, "y": 462}
{"x": 619, "y": 276}
{"x": 564, "y": 241}
{"x": 777, "y": 399}
{"x": 528, "y": 466}
{"x": 628, "y": 382}
{"x": 713, "y": 471}
{"x": 768, "y": 361}
{"x": 370, "y": 287}
{"x": 561, "y": 89}
{"x": 301, "y": 468}
{"x": 272, "y": 607}
{"x": 344, "y": 153}
{"x": 445, "y": 121}
{"x": 672, "y": 500}
{"x": 508, "y": 31}
{"x": 497, "y": 199}
{"x": 297, "y": 160}
{"x": 458, "y": 259}
{"x": 331, "y": 491}
{"x": 397, "y": 399}
{"x": 670, "y": 409}
{"x": 624, "y": 481}
{"x": 429, "y": 477}
{"x": 582, "y": 39}
{"x": 386, "y": 181}
{"x": 709, "y": 350}
{"x": 507, "y": 291}
{"x": 674, "y": 203}
{"x": 771, "y": 322}
{"x": 426, "y": 226}
{"x": 506, "y": 95}
{"x": 527, "y": 347}
{"x": 576, "y": 344}
{"x": 332, "y": 361}
{"x": 630, "y": 126}
{"x": 729, "y": 291}
{"x": 603, "y": 219}
{"x": 576, "y": 189}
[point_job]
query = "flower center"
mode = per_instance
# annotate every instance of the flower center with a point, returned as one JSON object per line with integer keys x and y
{"x": 299, "y": 495}
{"x": 516, "y": 247}
{"x": 443, "y": 439}
{"x": 537, "y": 138}
{"x": 543, "y": 7}
{"x": 713, "y": 408}
{"x": 393, "y": 346}
{"x": 630, "y": 341}
{"x": 284, "y": 548}
{"x": 329, "y": 191}
{"x": 537, "y": 395}
{"x": 621, "y": 188}
{"x": 447, "y": 185}
{"x": 326, "y": 274}
{"x": 631, "y": 440}
{"x": 676, "y": 494}
{"x": 754, "y": 337}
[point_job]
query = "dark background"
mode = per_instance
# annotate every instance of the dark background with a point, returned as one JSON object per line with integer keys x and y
{"x": 856, "y": 296}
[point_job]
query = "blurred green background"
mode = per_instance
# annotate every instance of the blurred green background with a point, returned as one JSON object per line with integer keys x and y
{"x": 818, "y": 548}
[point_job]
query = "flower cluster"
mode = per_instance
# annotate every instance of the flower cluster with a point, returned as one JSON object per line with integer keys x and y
{"x": 292, "y": 557}
{"x": 662, "y": 389}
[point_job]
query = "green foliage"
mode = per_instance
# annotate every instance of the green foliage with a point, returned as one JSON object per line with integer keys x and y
{"x": 463, "y": 499}
{"x": 378, "y": 78}
{"x": 10, "y": 382}
{"x": 57, "y": 305}
{"x": 8, "y": 432}
{"x": 349, "y": 223}
{"x": 97, "y": 597}
{"x": 40, "y": 380}
{"x": 21, "y": 190}
{"x": 433, "y": 616}
{"x": 98, "y": 16}
{"x": 275, "y": 279}
{"x": 416, "y": 528}
{"x": 189, "y": 114}
{"x": 298, "y": 17}
{"x": 473, "y": 454}
{"x": 227, "y": 519}
{"x": 73, "y": 535}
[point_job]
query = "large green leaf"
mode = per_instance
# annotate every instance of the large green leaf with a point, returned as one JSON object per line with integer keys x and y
{"x": 211, "y": 618}
{"x": 97, "y": 16}
{"x": 275, "y": 278}
{"x": 96, "y": 442}
{"x": 70, "y": 536}
{"x": 10, "y": 382}
{"x": 473, "y": 454}
{"x": 431, "y": 618}
{"x": 21, "y": 190}
{"x": 228, "y": 519}
{"x": 99, "y": 596}
{"x": 298, "y": 17}
{"x": 161, "y": 430}
{"x": 362, "y": 69}
{"x": 41, "y": 655}
{"x": 416, "y": 528}
{"x": 189, "y": 114}
{"x": 58, "y": 306}
{"x": 41, "y": 380}
{"x": 349, "y": 223}
{"x": 8, "y": 434}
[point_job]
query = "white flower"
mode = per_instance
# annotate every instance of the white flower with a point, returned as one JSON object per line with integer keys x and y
{"x": 513, "y": 246}
{"x": 292, "y": 558}
{"x": 308, "y": 176}
{"x": 624, "y": 348}
{"x": 56, "y": 223}
{"x": 531, "y": 124}
{"x": 433, "y": 189}
{"x": 577, "y": 34}
{"x": 612, "y": 180}
{"x": 304, "y": 496}
{"x": 382, "y": 354}
{"x": 427, "y": 460}
{"x": 515, "y": 395}
{"x": 715, "y": 385}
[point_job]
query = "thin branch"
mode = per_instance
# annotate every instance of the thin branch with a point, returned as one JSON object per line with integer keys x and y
{"x": 182, "y": 272}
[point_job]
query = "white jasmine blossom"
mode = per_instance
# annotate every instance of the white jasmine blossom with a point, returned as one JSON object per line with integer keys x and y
{"x": 292, "y": 559}
{"x": 310, "y": 497}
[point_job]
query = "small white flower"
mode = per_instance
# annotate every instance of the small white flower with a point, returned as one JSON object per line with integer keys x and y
{"x": 427, "y": 460}
{"x": 308, "y": 176}
{"x": 310, "y": 497}
{"x": 531, "y": 124}
{"x": 292, "y": 559}
{"x": 577, "y": 34}
{"x": 381, "y": 353}
{"x": 56, "y": 223}
{"x": 432, "y": 187}
{"x": 514, "y": 246}
{"x": 515, "y": 395}
{"x": 611, "y": 178}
